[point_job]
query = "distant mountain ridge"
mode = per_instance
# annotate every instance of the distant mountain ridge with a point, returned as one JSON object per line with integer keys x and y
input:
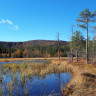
{"x": 32, "y": 43}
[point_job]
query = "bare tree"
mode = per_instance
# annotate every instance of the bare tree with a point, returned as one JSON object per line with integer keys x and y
{"x": 71, "y": 55}
{"x": 94, "y": 41}
{"x": 58, "y": 40}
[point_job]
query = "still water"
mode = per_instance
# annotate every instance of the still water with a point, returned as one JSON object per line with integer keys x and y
{"x": 49, "y": 85}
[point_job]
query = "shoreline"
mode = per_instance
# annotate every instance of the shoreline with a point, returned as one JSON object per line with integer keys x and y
{"x": 76, "y": 76}
{"x": 83, "y": 75}
{"x": 21, "y": 59}
{"x": 83, "y": 82}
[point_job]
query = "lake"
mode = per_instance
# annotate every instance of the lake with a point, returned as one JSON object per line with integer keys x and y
{"x": 18, "y": 81}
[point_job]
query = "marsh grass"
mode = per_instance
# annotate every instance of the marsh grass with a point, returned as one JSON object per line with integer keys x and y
{"x": 83, "y": 82}
{"x": 28, "y": 70}
{"x": 32, "y": 69}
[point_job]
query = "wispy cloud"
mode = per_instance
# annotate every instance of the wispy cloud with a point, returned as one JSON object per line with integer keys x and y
{"x": 3, "y": 21}
{"x": 16, "y": 27}
{"x": 9, "y": 22}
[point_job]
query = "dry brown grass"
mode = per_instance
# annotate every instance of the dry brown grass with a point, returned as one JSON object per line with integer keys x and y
{"x": 83, "y": 82}
{"x": 20, "y": 59}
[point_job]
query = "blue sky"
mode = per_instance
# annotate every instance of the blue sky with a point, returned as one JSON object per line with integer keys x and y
{"x": 23, "y": 20}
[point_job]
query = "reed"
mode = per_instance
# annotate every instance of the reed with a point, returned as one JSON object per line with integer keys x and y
{"x": 82, "y": 83}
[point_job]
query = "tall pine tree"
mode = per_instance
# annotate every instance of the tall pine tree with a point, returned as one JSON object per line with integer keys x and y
{"x": 85, "y": 17}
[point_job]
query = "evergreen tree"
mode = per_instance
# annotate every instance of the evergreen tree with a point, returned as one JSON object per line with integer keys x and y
{"x": 85, "y": 17}
{"x": 77, "y": 42}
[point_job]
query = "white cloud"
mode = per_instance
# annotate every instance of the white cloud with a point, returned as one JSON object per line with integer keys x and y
{"x": 9, "y": 22}
{"x": 3, "y": 21}
{"x": 16, "y": 27}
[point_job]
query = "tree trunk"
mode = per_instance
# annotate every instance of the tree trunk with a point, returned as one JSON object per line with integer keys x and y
{"x": 71, "y": 55}
{"x": 87, "y": 45}
{"x": 76, "y": 56}
{"x": 58, "y": 52}
{"x": 94, "y": 57}
{"x": 93, "y": 49}
{"x": 58, "y": 45}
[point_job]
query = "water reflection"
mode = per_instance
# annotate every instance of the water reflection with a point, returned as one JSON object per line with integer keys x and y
{"x": 11, "y": 62}
{"x": 28, "y": 61}
{"x": 17, "y": 81}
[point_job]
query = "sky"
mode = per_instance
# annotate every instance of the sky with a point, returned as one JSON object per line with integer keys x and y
{"x": 23, "y": 20}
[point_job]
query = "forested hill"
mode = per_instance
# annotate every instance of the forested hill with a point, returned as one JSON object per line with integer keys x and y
{"x": 31, "y": 43}
{"x": 34, "y": 48}
{"x": 44, "y": 42}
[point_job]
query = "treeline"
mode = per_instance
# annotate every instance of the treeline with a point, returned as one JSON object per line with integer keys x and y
{"x": 80, "y": 46}
{"x": 33, "y": 51}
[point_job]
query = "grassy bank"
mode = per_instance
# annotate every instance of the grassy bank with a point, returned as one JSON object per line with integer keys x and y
{"x": 20, "y": 59}
{"x": 82, "y": 83}
{"x": 29, "y": 70}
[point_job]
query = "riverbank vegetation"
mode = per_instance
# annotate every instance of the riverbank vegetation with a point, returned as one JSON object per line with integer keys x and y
{"x": 14, "y": 75}
{"x": 84, "y": 80}
{"x": 83, "y": 75}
